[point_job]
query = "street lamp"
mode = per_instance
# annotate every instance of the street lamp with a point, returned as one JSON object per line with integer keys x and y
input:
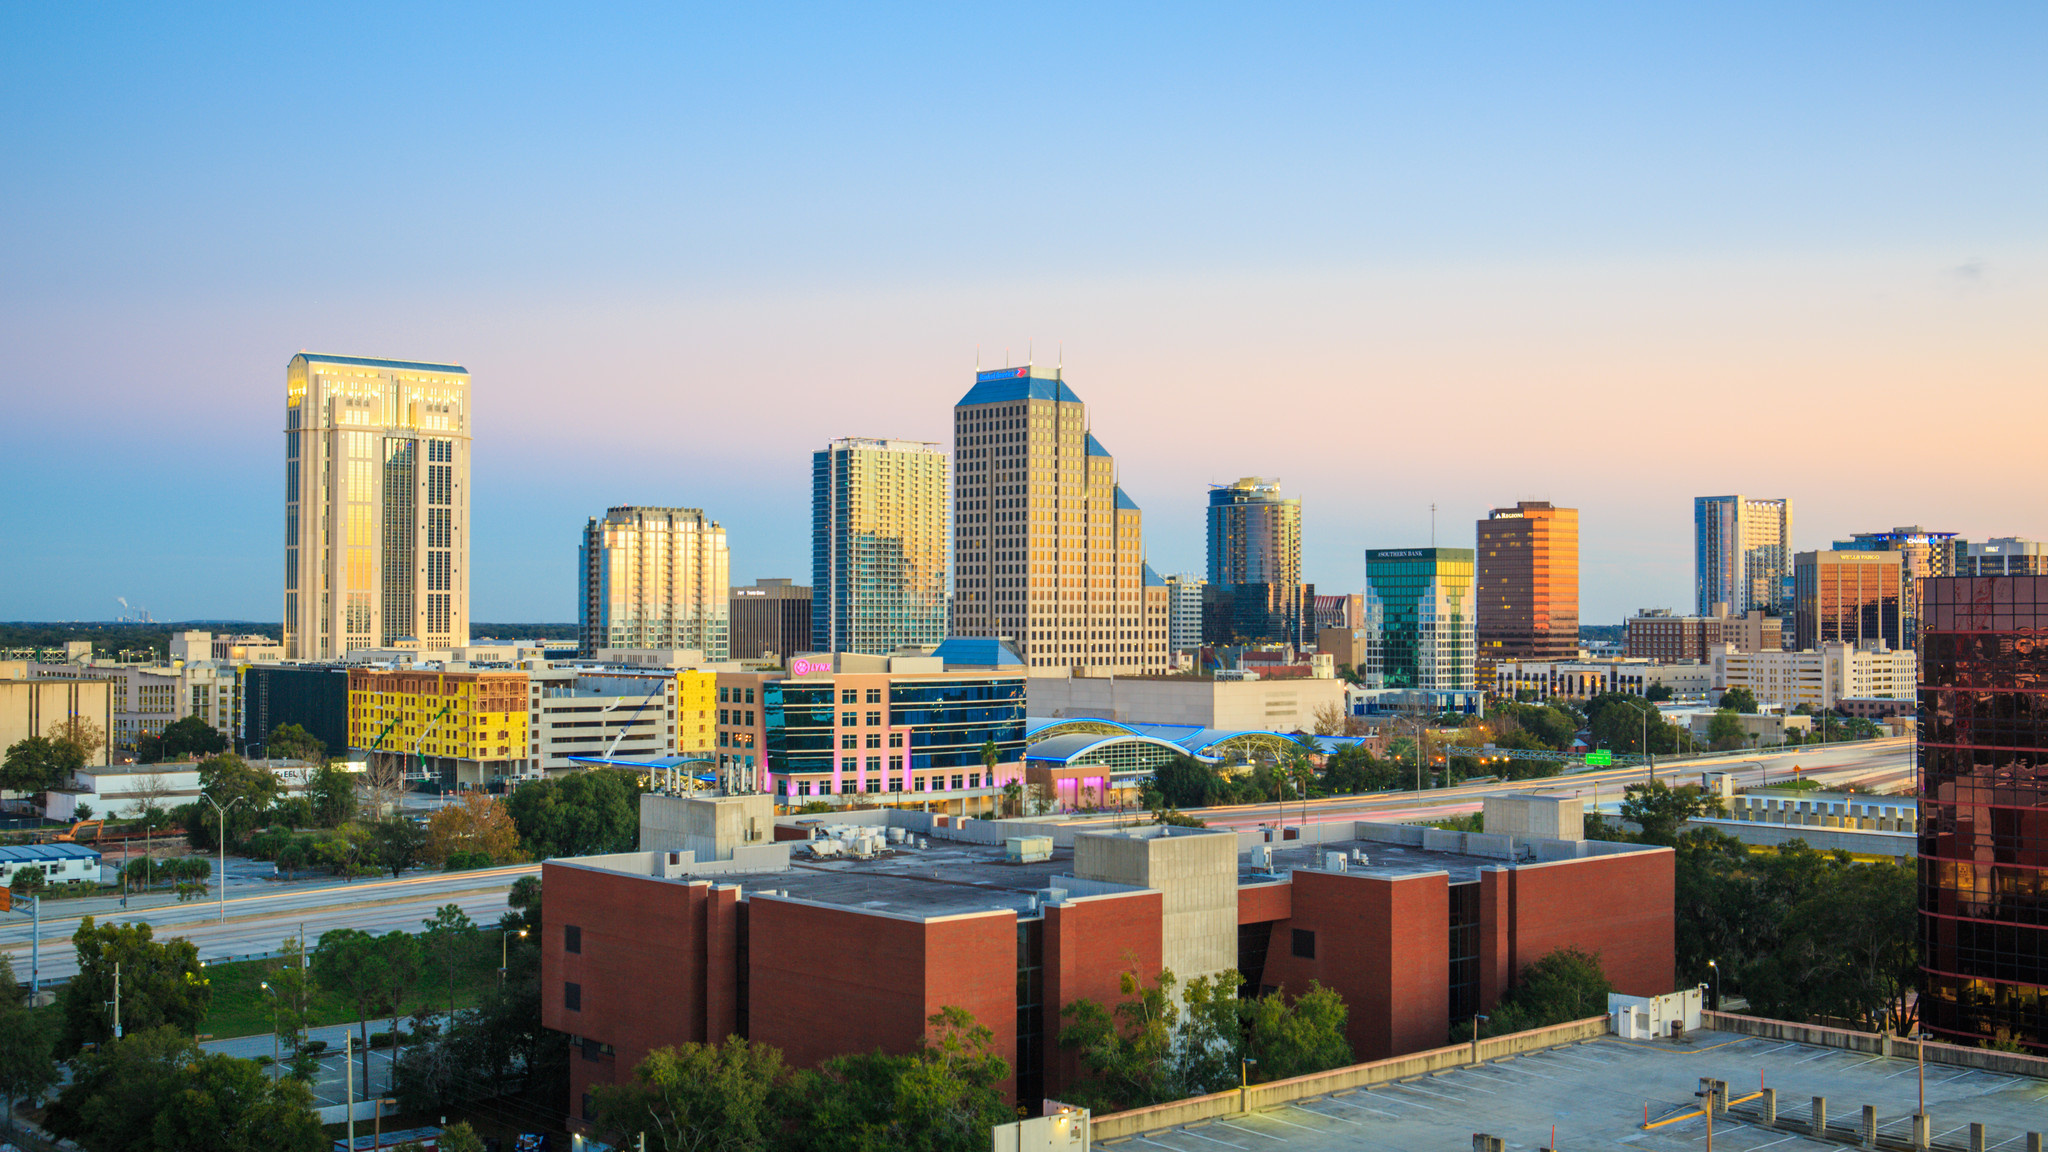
{"x": 1919, "y": 1040}
{"x": 1244, "y": 1081}
{"x": 273, "y": 1021}
{"x": 1716, "y": 966}
{"x": 1476, "y": 1018}
{"x": 505, "y": 951}
{"x": 223, "y": 813}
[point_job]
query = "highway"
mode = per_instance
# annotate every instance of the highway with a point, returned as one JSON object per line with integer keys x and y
{"x": 262, "y": 911}
{"x": 1870, "y": 765}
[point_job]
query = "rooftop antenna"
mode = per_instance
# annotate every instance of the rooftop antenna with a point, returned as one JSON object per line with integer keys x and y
{"x": 1006, "y": 357}
{"x": 1030, "y": 356}
{"x": 1059, "y": 369}
{"x": 977, "y": 358}
{"x": 1432, "y": 525}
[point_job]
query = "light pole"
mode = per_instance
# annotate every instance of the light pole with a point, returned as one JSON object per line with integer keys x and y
{"x": 1476, "y": 1018}
{"x": 273, "y": 1021}
{"x": 1716, "y": 966}
{"x": 223, "y": 813}
{"x": 1244, "y": 1081}
{"x": 505, "y": 951}
{"x": 1919, "y": 1040}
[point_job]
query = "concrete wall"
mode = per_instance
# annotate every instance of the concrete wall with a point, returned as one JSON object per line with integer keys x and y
{"x": 1545, "y": 817}
{"x": 1195, "y": 872}
{"x": 1879, "y": 1044}
{"x": 710, "y": 826}
{"x": 1893, "y": 845}
{"x": 36, "y": 707}
{"x": 1119, "y": 1125}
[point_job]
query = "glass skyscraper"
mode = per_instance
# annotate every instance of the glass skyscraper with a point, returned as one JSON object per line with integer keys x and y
{"x": 1255, "y": 563}
{"x": 878, "y": 545}
{"x": 1983, "y": 786}
{"x": 655, "y": 578}
{"x": 1528, "y": 583}
{"x": 1852, "y": 597}
{"x": 1742, "y": 554}
{"x": 1425, "y": 597}
{"x": 376, "y": 505}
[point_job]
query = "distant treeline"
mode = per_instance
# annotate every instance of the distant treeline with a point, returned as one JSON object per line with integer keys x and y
{"x": 523, "y": 631}
{"x": 1614, "y": 632}
{"x": 112, "y": 637}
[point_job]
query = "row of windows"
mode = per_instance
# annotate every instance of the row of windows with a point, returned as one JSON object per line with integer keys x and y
{"x": 884, "y": 784}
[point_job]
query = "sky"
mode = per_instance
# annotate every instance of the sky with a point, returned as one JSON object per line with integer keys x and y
{"x": 1398, "y": 256}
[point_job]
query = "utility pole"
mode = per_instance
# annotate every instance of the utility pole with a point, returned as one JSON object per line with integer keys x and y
{"x": 348, "y": 1099}
{"x": 117, "y": 999}
{"x": 223, "y": 813}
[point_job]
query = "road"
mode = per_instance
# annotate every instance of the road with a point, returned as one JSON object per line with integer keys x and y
{"x": 1873, "y": 765}
{"x": 261, "y": 912}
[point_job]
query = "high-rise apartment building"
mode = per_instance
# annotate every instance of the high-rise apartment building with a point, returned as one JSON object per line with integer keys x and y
{"x": 376, "y": 505}
{"x": 1048, "y": 550}
{"x": 1852, "y": 597}
{"x": 1742, "y": 554}
{"x": 1921, "y": 554}
{"x": 1656, "y": 634}
{"x": 1255, "y": 563}
{"x": 1528, "y": 583}
{"x": 1184, "y": 612}
{"x": 1983, "y": 785}
{"x": 654, "y": 578}
{"x": 1425, "y": 598}
{"x": 773, "y": 617}
{"x": 878, "y": 546}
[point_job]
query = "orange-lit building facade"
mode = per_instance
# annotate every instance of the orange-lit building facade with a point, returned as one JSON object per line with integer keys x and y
{"x": 1528, "y": 584}
{"x": 1851, "y": 597}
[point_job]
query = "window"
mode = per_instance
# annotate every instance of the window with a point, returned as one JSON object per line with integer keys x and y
{"x": 850, "y": 740}
{"x": 974, "y": 779}
{"x": 874, "y": 695}
{"x": 572, "y": 938}
{"x": 849, "y": 719}
{"x": 956, "y": 783}
{"x": 1305, "y": 943}
{"x": 724, "y": 717}
{"x": 572, "y": 996}
{"x": 895, "y": 739}
{"x": 917, "y": 785}
{"x": 874, "y": 739}
{"x": 803, "y": 787}
{"x": 723, "y": 697}
{"x": 874, "y": 719}
{"x": 849, "y": 697}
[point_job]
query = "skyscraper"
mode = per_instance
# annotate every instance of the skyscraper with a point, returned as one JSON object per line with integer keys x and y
{"x": 1983, "y": 784}
{"x": 1255, "y": 561}
{"x": 1851, "y": 597}
{"x": 1184, "y": 611}
{"x": 878, "y": 545}
{"x": 376, "y": 505}
{"x": 1048, "y": 551}
{"x": 1528, "y": 583}
{"x": 772, "y": 616}
{"x": 1923, "y": 553}
{"x": 654, "y": 578}
{"x": 1742, "y": 554}
{"x": 1425, "y": 597}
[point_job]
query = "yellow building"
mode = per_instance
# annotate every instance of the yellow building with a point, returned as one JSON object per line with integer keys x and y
{"x": 696, "y": 713}
{"x": 465, "y": 727}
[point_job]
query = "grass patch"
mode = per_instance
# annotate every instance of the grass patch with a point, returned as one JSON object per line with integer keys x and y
{"x": 1800, "y": 784}
{"x": 242, "y": 1008}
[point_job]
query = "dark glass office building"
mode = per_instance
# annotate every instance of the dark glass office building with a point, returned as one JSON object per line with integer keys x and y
{"x": 313, "y": 696}
{"x": 1255, "y": 593}
{"x": 1983, "y": 779}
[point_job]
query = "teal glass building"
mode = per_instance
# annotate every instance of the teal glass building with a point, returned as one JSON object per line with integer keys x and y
{"x": 1427, "y": 637}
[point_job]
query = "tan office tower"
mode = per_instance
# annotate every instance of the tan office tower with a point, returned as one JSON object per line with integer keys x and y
{"x": 376, "y": 505}
{"x": 655, "y": 578}
{"x": 1047, "y": 550}
{"x": 1528, "y": 584}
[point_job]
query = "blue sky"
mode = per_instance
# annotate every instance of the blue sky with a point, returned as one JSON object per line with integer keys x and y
{"x": 1614, "y": 256}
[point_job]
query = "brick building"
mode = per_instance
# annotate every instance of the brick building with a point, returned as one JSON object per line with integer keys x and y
{"x": 1655, "y": 634}
{"x": 1415, "y": 927}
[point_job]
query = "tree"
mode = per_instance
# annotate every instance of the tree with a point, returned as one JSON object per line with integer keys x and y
{"x": 244, "y": 791}
{"x": 478, "y": 824}
{"x": 1558, "y": 987}
{"x": 1329, "y": 720}
{"x": 351, "y": 962}
{"x": 162, "y": 984}
{"x": 1185, "y": 782}
{"x": 1295, "y": 1039}
{"x": 155, "y": 1090}
{"x": 1725, "y": 731}
{"x": 28, "y": 880}
{"x": 943, "y": 1098}
{"x": 397, "y": 842}
{"x": 578, "y": 815}
{"x": 449, "y": 937}
{"x": 1623, "y": 722}
{"x": 190, "y": 736}
{"x": 28, "y": 1059}
{"x": 80, "y": 737}
{"x": 1656, "y": 692}
{"x": 293, "y": 987}
{"x": 460, "y": 1137}
{"x": 1124, "y": 1049}
{"x": 1661, "y": 810}
{"x": 1013, "y": 798}
{"x": 698, "y": 1097}
{"x": 38, "y": 764}
{"x": 292, "y": 741}
{"x": 333, "y": 792}
{"x": 1739, "y": 700}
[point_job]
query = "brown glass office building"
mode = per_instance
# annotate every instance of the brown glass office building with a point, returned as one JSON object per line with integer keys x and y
{"x": 1983, "y": 779}
{"x": 1528, "y": 583}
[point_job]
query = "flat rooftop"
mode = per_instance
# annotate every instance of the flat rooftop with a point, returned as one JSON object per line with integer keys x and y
{"x": 1388, "y": 860}
{"x": 948, "y": 878}
{"x": 1595, "y": 1093}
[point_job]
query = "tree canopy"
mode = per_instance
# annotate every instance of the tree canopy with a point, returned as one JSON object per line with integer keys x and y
{"x": 190, "y": 736}
{"x": 155, "y": 1091}
{"x": 1556, "y": 988}
{"x": 162, "y": 984}
{"x": 38, "y": 764}
{"x": 1739, "y": 700}
{"x": 477, "y": 825}
{"x": 579, "y": 814}
{"x": 1661, "y": 810}
{"x": 292, "y": 741}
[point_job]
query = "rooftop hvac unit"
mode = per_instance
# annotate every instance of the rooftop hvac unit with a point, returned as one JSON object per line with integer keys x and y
{"x": 1335, "y": 861}
{"x": 1358, "y": 855}
{"x": 897, "y": 835}
{"x": 923, "y": 843}
{"x": 1262, "y": 856}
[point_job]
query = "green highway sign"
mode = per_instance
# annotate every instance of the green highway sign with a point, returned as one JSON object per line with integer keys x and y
{"x": 1601, "y": 759}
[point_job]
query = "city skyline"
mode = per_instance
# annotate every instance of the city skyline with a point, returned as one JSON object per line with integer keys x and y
{"x": 1581, "y": 223}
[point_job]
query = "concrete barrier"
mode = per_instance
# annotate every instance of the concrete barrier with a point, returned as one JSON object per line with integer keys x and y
{"x": 1278, "y": 1092}
{"x": 1878, "y": 1044}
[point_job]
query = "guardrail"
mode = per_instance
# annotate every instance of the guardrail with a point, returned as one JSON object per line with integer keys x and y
{"x": 1879, "y": 1044}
